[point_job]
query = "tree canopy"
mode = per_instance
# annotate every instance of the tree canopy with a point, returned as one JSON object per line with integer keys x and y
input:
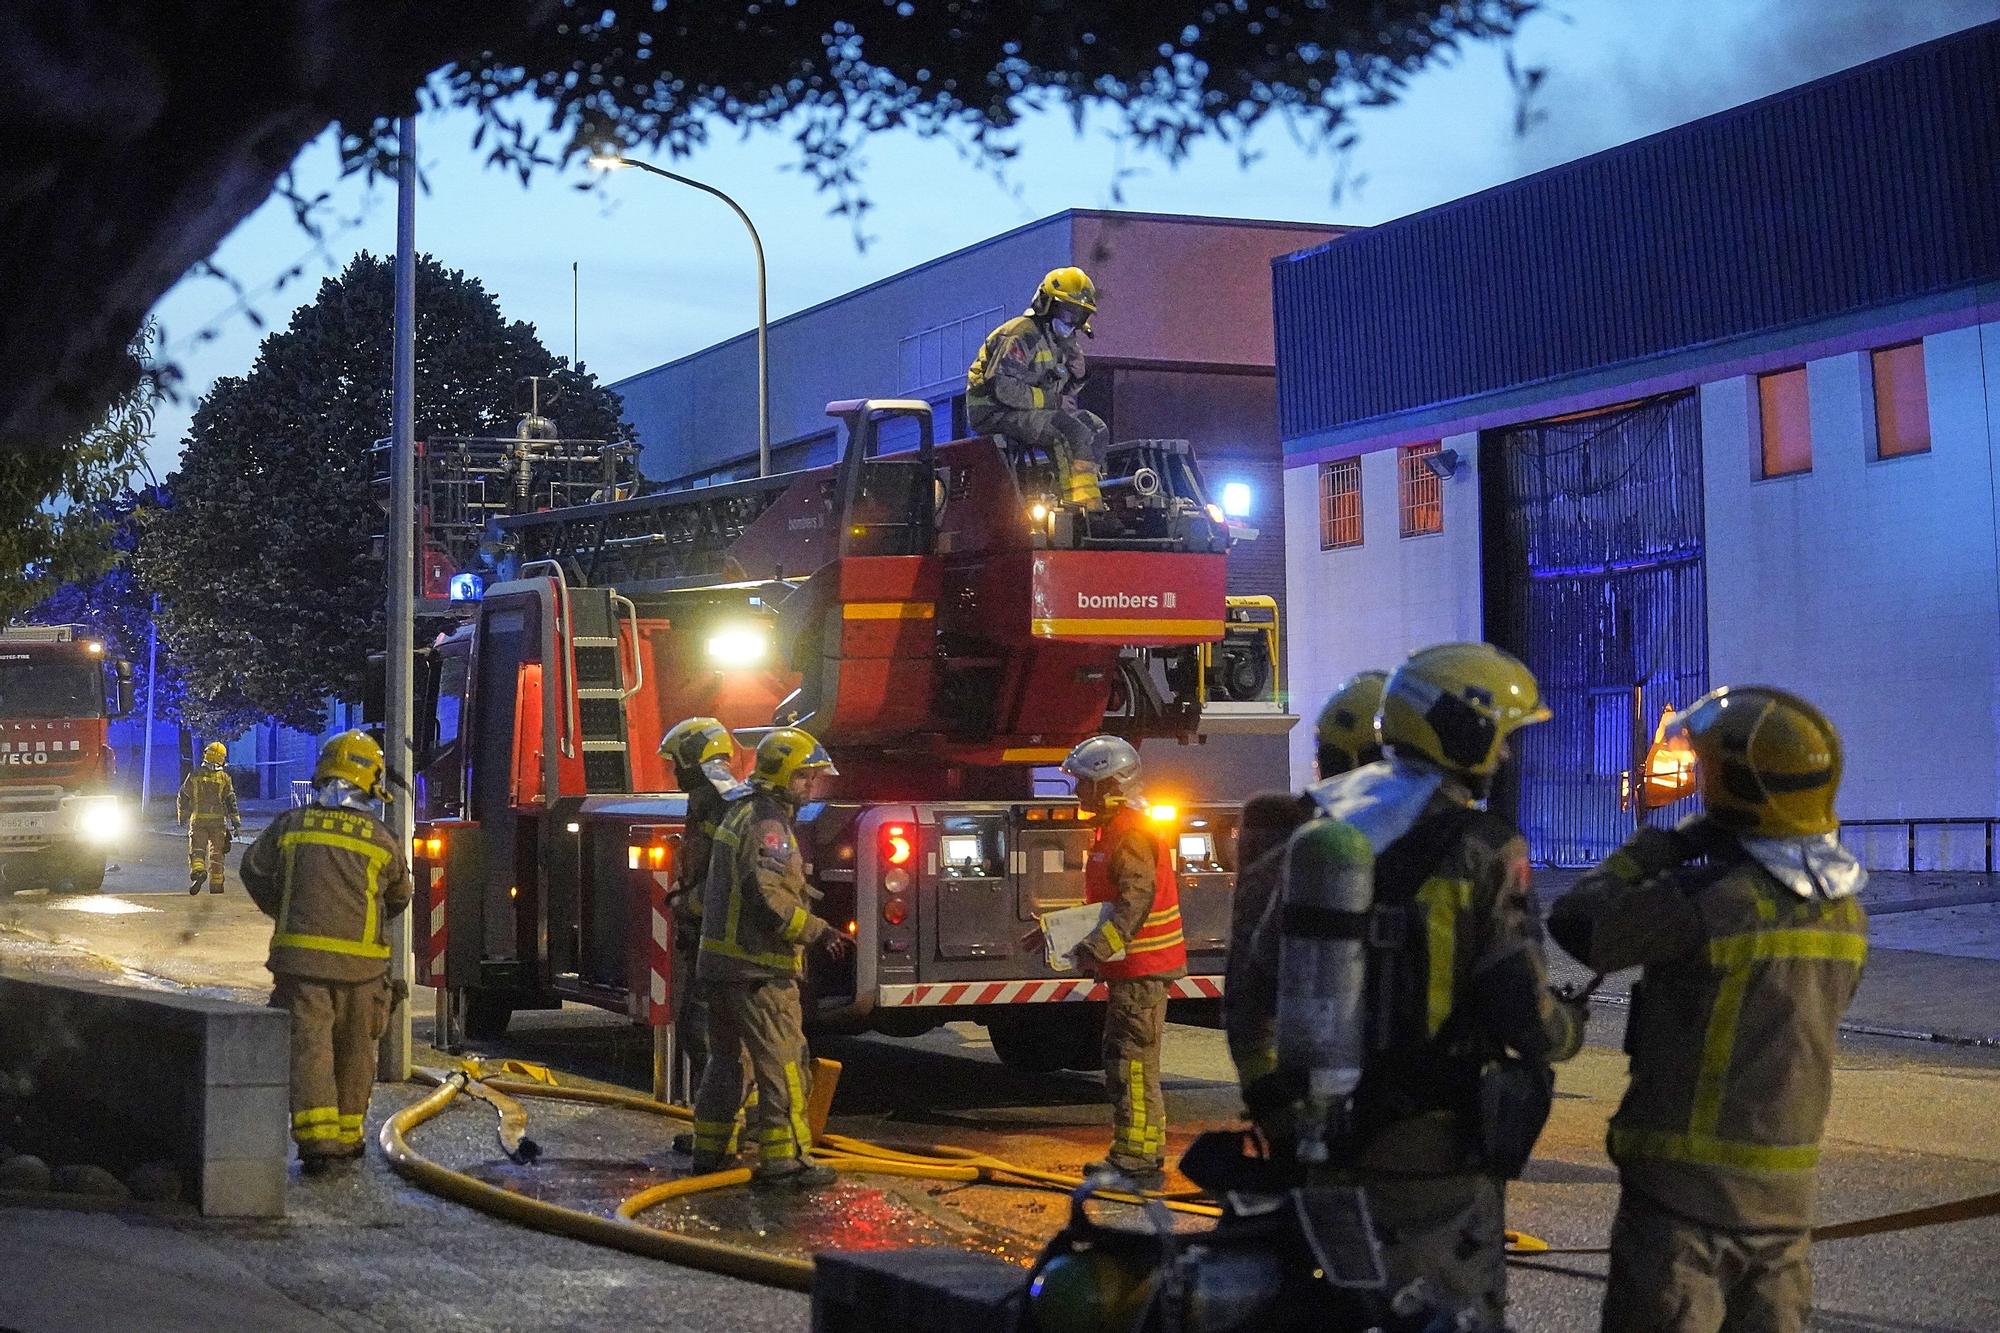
{"x": 72, "y": 526}
{"x": 267, "y": 563}
{"x": 134, "y": 137}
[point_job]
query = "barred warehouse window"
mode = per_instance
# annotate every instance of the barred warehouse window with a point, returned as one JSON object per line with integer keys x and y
{"x": 1422, "y": 490}
{"x": 1340, "y": 504}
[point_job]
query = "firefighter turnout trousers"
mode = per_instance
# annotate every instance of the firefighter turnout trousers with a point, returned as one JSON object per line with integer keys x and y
{"x": 335, "y": 1027}
{"x": 208, "y": 851}
{"x": 1135, "y": 1022}
{"x": 754, "y": 1021}
{"x": 1670, "y": 1275}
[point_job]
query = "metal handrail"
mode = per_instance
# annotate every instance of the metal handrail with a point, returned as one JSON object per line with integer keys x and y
{"x": 564, "y": 650}
{"x": 1910, "y": 826}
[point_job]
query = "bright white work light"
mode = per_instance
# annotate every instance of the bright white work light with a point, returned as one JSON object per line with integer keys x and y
{"x": 1236, "y": 499}
{"x": 738, "y": 646}
{"x": 100, "y": 819}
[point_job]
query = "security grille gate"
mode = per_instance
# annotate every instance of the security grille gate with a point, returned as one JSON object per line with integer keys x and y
{"x": 1598, "y": 585}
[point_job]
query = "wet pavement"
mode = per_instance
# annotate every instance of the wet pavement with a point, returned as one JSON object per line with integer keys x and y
{"x": 1913, "y": 1123}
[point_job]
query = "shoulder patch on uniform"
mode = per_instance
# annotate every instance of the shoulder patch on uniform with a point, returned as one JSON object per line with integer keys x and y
{"x": 776, "y": 840}
{"x": 1017, "y": 352}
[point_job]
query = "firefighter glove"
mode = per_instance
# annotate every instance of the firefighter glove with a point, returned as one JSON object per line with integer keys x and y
{"x": 836, "y": 946}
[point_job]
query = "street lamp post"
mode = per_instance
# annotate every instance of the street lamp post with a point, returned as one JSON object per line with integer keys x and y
{"x": 612, "y": 162}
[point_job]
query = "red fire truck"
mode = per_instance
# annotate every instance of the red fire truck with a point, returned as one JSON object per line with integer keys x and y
{"x": 58, "y": 814}
{"x": 941, "y": 625}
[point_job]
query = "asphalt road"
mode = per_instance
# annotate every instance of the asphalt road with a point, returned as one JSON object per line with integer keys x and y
{"x": 1912, "y": 1124}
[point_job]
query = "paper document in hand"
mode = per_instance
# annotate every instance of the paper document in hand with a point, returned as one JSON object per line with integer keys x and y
{"x": 1065, "y": 928}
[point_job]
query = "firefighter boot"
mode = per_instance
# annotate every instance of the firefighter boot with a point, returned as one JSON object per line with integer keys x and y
{"x": 196, "y": 874}
{"x": 1146, "y": 1177}
{"x": 797, "y": 1173}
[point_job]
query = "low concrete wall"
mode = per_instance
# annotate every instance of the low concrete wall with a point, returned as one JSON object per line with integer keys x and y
{"x": 198, "y": 1082}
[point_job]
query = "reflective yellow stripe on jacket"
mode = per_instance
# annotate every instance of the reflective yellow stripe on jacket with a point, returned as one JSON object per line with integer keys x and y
{"x": 729, "y": 835}
{"x": 376, "y": 856}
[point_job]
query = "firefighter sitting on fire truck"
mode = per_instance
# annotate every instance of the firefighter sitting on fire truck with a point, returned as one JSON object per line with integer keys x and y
{"x": 756, "y": 923}
{"x": 1137, "y": 950}
{"x": 207, "y": 805}
{"x": 1024, "y": 381}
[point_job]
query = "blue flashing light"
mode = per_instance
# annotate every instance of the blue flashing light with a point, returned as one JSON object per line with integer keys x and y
{"x": 1236, "y": 499}
{"x": 467, "y": 587}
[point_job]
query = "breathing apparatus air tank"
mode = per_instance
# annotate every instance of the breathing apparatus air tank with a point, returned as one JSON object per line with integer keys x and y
{"x": 1328, "y": 889}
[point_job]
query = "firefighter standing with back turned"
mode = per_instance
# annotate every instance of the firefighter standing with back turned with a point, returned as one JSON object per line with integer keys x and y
{"x": 1461, "y": 1025}
{"x": 700, "y": 749}
{"x": 1023, "y": 384}
{"x": 1745, "y": 922}
{"x": 756, "y": 924}
{"x": 331, "y": 874}
{"x": 207, "y": 805}
{"x": 1137, "y": 951}
{"x": 1344, "y": 740}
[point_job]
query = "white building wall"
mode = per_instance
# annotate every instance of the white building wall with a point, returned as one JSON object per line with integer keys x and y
{"x": 1867, "y": 585}
{"x": 1370, "y": 606}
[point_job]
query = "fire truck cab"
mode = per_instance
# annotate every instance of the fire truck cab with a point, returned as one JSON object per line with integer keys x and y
{"x": 58, "y": 814}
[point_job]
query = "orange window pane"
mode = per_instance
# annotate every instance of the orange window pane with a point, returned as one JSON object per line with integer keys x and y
{"x": 1787, "y": 425}
{"x": 1902, "y": 407}
{"x": 1340, "y": 504}
{"x": 1422, "y": 497}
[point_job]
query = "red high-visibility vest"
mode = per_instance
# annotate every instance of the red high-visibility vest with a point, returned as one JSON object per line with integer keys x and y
{"x": 1158, "y": 946}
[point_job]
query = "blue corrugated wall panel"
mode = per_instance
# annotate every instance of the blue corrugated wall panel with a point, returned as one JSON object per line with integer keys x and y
{"x": 1871, "y": 186}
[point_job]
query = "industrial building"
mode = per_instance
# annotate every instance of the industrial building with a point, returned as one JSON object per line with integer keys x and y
{"x": 1719, "y": 405}
{"x": 1181, "y": 349}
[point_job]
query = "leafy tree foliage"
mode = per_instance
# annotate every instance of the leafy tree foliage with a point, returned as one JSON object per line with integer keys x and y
{"x": 68, "y": 532}
{"x": 117, "y": 606}
{"x": 270, "y": 578}
{"x": 134, "y": 137}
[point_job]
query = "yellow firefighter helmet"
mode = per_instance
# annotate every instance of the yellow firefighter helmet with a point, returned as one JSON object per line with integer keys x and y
{"x": 1067, "y": 286}
{"x": 1345, "y": 731}
{"x": 692, "y": 742}
{"x": 786, "y": 752}
{"x": 1455, "y": 704}
{"x": 352, "y": 756}
{"x": 1767, "y": 762}
{"x": 215, "y": 752}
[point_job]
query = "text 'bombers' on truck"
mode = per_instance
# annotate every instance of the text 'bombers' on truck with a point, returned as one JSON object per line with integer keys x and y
{"x": 931, "y": 614}
{"x": 58, "y": 815}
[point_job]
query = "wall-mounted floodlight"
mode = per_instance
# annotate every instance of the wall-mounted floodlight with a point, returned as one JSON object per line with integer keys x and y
{"x": 1443, "y": 464}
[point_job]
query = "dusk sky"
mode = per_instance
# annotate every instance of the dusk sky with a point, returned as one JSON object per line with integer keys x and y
{"x": 666, "y": 271}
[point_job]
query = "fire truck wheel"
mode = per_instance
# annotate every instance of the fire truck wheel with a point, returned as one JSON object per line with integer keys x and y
{"x": 1024, "y": 1044}
{"x": 23, "y": 870}
{"x": 486, "y": 1015}
{"x": 85, "y": 873}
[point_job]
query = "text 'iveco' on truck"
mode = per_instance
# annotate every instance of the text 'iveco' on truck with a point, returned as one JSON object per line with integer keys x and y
{"x": 58, "y": 814}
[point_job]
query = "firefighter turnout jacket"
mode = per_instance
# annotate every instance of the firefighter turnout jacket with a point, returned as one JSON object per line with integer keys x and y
{"x": 1024, "y": 365}
{"x": 207, "y": 794}
{"x": 330, "y": 878}
{"x": 1456, "y": 980}
{"x": 1130, "y": 868}
{"x": 706, "y": 808}
{"x": 1733, "y": 1027}
{"x": 756, "y": 918}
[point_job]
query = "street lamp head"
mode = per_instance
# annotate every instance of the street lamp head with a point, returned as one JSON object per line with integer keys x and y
{"x": 607, "y": 162}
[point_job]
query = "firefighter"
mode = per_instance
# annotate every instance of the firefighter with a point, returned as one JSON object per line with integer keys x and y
{"x": 1137, "y": 950}
{"x": 1462, "y": 1026}
{"x": 331, "y": 874}
{"x": 756, "y": 923}
{"x": 701, "y": 751}
{"x": 1023, "y": 384}
{"x": 1745, "y": 923}
{"x": 1345, "y": 740}
{"x": 207, "y": 805}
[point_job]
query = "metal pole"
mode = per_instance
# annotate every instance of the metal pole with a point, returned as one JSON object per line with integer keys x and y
{"x": 152, "y": 688}
{"x": 763, "y": 308}
{"x": 394, "y": 1062}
